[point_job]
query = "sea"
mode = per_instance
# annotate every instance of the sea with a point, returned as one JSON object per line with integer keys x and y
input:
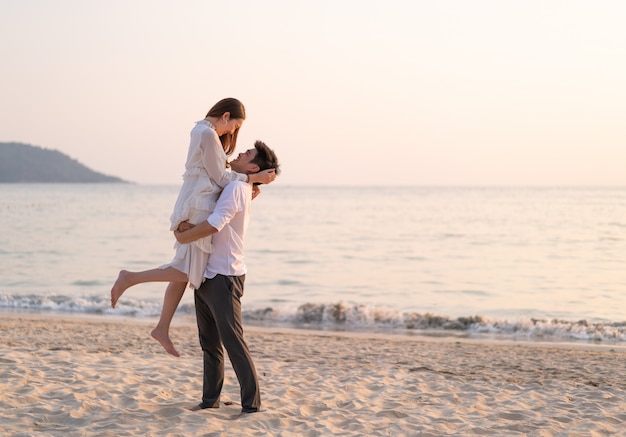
{"x": 516, "y": 263}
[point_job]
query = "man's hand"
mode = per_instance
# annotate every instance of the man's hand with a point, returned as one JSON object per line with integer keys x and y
{"x": 184, "y": 226}
{"x": 255, "y": 191}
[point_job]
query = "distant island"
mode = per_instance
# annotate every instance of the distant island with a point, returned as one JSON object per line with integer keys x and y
{"x": 24, "y": 163}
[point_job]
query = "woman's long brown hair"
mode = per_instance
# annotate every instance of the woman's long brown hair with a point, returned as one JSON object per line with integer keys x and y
{"x": 237, "y": 111}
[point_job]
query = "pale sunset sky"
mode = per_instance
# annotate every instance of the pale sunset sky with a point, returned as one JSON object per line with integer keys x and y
{"x": 352, "y": 92}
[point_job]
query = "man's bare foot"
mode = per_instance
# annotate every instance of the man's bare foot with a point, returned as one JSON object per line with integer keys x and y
{"x": 165, "y": 341}
{"x": 120, "y": 286}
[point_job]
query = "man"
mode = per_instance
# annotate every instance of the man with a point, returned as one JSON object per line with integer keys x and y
{"x": 218, "y": 300}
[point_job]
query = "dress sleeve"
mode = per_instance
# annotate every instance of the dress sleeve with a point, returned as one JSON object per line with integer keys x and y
{"x": 214, "y": 160}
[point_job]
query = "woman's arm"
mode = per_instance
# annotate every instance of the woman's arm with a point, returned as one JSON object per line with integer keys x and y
{"x": 214, "y": 160}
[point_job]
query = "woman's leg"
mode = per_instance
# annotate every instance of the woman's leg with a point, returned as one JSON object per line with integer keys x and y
{"x": 173, "y": 294}
{"x": 127, "y": 279}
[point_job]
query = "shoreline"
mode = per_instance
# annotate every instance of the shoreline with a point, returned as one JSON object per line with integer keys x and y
{"x": 438, "y": 336}
{"x": 103, "y": 377}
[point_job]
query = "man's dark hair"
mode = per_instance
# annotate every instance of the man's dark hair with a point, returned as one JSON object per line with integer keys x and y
{"x": 265, "y": 157}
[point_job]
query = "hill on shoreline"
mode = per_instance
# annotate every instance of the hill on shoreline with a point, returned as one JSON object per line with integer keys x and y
{"x": 24, "y": 163}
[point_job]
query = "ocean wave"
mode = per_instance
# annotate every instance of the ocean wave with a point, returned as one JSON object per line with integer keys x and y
{"x": 363, "y": 317}
{"x": 346, "y": 317}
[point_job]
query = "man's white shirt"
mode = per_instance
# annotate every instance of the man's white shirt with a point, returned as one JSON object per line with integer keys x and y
{"x": 230, "y": 218}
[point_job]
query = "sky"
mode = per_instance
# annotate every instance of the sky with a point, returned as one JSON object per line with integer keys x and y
{"x": 347, "y": 92}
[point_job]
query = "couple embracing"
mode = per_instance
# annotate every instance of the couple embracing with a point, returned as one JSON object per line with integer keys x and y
{"x": 209, "y": 222}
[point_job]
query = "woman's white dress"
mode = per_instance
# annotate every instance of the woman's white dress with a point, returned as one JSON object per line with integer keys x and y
{"x": 205, "y": 176}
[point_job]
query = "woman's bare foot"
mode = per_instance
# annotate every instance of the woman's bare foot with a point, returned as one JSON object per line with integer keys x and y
{"x": 165, "y": 341}
{"x": 120, "y": 286}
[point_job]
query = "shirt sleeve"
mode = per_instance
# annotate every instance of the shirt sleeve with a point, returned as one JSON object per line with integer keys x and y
{"x": 214, "y": 160}
{"x": 230, "y": 202}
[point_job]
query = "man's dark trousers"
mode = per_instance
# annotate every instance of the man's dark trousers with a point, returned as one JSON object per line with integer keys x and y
{"x": 218, "y": 313}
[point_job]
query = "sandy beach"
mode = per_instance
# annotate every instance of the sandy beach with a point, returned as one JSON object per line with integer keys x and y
{"x": 87, "y": 377}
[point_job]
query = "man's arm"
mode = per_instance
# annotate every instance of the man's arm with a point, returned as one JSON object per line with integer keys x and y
{"x": 196, "y": 232}
{"x": 230, "y": 201}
